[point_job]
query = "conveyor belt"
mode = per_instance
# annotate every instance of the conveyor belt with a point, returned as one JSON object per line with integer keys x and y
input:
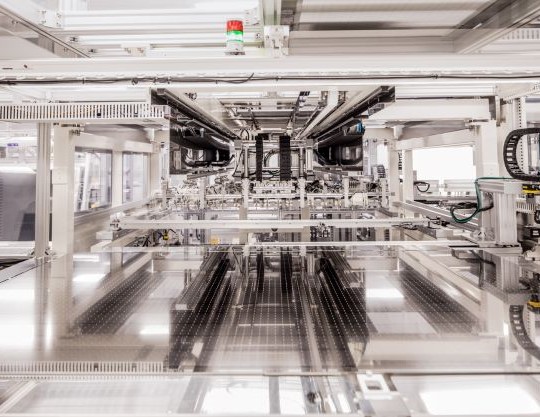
{"x": 264, "y": 326}
{"x": 273, "y": 319}
{"x": 510, "y": 154}
{"x": 520, "y": 331}
{"x": 342, "y": 298}
{"x": 260, "y": 272}
{"x": 191, "y": 295}
{"x": 216, "y": 318}
{"x": 442, "y": 312}
{"x": 193, "y": 321}
{"x": 286, "y": 272}
{"x": 108, "y": 314}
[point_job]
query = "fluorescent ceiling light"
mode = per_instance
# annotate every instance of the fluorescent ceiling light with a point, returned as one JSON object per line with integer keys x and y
{"x": 388, "y": 293}
{"x": 489, "y": 400}
{"x": 88, "y": 278}
{"x": 154, "y": 330}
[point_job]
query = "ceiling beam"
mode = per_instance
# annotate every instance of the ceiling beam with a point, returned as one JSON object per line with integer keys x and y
{"x": 434, "y": 109}
{"x": 26, "y": 16}
{"x": 502, "y": 17}
{"x": 460, "y": 137}
{"x": 328, "y": 46}
{"x": 424, "y": 67}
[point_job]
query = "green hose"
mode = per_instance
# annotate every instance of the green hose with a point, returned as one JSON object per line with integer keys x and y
{"x": 479, "y": 207}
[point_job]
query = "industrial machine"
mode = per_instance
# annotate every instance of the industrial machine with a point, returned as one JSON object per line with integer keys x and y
{"x": 269, "y": 208}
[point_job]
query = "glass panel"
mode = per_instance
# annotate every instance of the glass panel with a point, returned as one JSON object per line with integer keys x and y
{"x": 93, "y": 178}
{"x": 134, "y": 177}
{"x": 467, "y": 395}
{"x": 17, "y": 186}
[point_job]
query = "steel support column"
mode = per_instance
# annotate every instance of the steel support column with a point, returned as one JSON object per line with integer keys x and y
{"x": 393, "y": 174}
{"x": 346, "y": 201}
{"x": 117, "y": 177}
{"x": 408, "y": 176}
{"x": 43, "y": 191}
{"x": 63, "y": 193}
{"x": 486, "y": 150}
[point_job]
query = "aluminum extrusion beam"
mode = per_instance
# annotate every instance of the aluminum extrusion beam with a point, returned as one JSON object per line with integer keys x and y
{"x": 435, "y": 212}
{"x": 271, "y": 12}
{"x": 460, "y": 137}
{"x": 445, "y": 278}
{"x": 43, "y": 190}
{"x": 346, "y": 114}
{"x": 435, "y": 109}
{"x": 502, "y": 17}
{"x": 114, "y": 247}
{"x": 129, "y": 223}
{"x": 331, "y": 104}
{"x": 150, "y": 21}
{"x": 432, "y": 67}
{"x": 367, "y": 41}
{"x": 27, "y": 14}
{"x": 193, "y": 110}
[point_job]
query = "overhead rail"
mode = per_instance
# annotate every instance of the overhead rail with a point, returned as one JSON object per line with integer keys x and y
{"x": 382, "y": 94}
{"x": 162, "y": 96}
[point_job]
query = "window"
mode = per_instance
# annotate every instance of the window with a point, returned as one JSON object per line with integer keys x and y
{"x": 17, "y": 186}
{"x": 134, "y": 178}
{"x": 445, "y": 163}
{"x": 93, "y": 178}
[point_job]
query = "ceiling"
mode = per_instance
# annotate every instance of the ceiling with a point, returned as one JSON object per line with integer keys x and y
{"x": 195, "y": 30}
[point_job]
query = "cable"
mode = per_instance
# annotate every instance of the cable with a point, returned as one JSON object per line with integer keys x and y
{"x": 425, "y": 184}
{"x": 238, "y": 161}
{"x": 252, "y": 77}
{"x": 478, "y": 206}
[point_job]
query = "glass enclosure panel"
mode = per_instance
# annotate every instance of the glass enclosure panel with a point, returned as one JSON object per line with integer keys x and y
{"x": 93, "y": 179}
{"x": 17, "y": 186}
{"x": 134, "y": 178}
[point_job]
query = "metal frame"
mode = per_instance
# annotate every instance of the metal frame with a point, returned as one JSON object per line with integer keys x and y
{"x": 472, "y": 68}
{"x": 280, "y": 224}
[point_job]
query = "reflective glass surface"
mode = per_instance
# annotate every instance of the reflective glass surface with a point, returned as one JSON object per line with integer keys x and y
{"x": 197, "y": 329}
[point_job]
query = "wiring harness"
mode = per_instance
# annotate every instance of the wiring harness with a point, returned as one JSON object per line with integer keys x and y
{"x": 478, "y": 206}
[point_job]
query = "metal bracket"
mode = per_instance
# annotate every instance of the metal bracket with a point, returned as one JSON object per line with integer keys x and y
{"x": 51, "y": 18}
{"x": 251, "y": 17}
{"x": 276, "y": 38}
